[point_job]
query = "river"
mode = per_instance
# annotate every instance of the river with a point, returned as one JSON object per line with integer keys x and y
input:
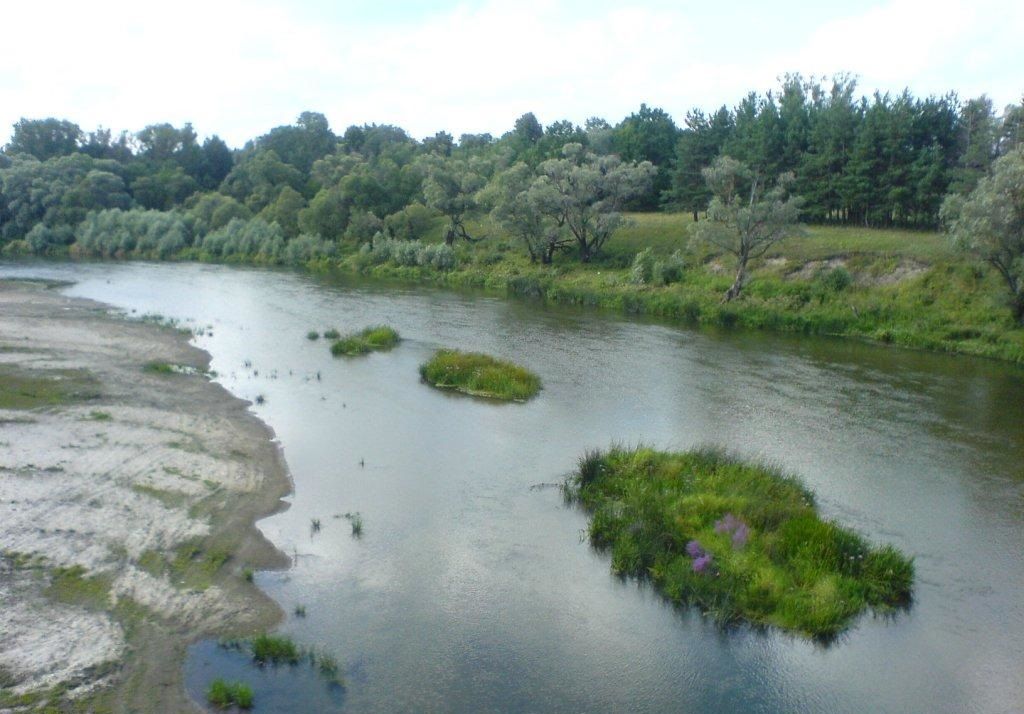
{"x": 472, "y": 588}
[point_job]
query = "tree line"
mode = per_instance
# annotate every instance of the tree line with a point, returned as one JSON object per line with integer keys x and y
{"x": 887, "y": 160}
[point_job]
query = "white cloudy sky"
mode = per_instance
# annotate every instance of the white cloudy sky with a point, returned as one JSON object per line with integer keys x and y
{"x": 240, "y": 67}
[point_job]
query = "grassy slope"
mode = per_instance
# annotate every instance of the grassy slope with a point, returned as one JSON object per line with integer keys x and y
{"x": 909, "y": 287}
{"x": 677, "y": 518}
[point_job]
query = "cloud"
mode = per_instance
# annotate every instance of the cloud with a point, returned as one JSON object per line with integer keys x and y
{"x": 239, "y": 68}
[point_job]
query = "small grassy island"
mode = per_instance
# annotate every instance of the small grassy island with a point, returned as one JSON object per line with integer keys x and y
{"x": 480, "y": 375}
{"x": 370, "y": 339}
{"x": 741, "y": 541}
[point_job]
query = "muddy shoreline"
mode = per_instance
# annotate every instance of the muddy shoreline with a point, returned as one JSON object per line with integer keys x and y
{"x": 127, "y": 506}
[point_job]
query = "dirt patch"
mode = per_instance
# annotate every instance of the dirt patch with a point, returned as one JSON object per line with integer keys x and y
{"x": 905, "y": 269}
{"x": 127, "y": 503}
{"x": 810, "y": 269}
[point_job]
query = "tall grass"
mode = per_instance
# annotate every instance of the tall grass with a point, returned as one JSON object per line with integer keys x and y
{"x": 223, "y": 694}
{"x": 370, "y": 339}
{"x": 480, "y": 375}
{"x": 274, "y": 649}
{"x": 742, "y": 541}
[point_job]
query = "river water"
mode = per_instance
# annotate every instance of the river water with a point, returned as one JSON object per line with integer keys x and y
{"x": 472, "y": 589}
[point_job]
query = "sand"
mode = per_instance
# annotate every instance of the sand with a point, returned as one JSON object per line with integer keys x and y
{"x": 115, "y": 486}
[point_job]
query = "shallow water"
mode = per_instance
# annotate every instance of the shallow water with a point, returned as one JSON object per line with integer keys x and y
{"x": 471, "y": 588}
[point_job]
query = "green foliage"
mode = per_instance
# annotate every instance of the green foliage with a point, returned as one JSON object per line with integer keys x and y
{"x": 480, "y": 375}
{"x": 369, "y": 339}
{"x": 741, "y": 541}
{"x": 246, "y": 239}
{"x": 224, "y": 695}
{"x": 989, "y": 224}
{"x": 411, "y": 223}
{"x": 274, "y": 649}
{"x": 146, "y": 234}
{"x": 406, "y": 253}
{"x": 649, "y": 270}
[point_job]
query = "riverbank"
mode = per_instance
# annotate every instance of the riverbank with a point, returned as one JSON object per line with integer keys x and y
{"x": 128, "y": 498}
{"x": 905, "y": 288}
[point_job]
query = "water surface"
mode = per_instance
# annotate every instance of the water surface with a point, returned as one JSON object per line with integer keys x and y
{"x": 472, "y": 589}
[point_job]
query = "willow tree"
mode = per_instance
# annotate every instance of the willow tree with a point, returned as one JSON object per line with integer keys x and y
{"x": 585, "y": 193}
{"x": 746, "y": 216}
{"x": 450, "y": 187}
{"x": 989, "y": 224}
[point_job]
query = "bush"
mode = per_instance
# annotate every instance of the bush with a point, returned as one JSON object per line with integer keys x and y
{"x": 118, "y": 233}
{"x": 406, "y": 253}
{"x": 254, "y": 238}
{"x": 43, "y": 239}
{"x": 411, "y": 223}
{"x": 304, "y": 248}
{"x": 647, "y": 270}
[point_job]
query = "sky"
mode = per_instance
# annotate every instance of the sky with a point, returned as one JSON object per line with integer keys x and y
{"x": 238, "y": 68}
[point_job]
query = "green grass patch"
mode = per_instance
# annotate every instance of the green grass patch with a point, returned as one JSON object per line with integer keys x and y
{"x": 72, "y": 585}
{"x": 741, "y": 541}
{"x": 480, "y": 375}
{"x": 171, "y": 499}
{"x": 370, "y": 339}
{"x": 274, "y": 649}
{"x": 33, "y": 389}
{"x": 331, "y": 334}
{"x": 312, "y": 335}
{"x": 223, "y": 694}
{"x": 195, "y": 564}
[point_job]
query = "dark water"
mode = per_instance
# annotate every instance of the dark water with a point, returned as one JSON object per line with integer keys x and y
{"x": 471, "y": 590}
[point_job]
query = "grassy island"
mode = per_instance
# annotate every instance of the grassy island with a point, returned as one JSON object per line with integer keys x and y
{"x": 741, "y": 541}
{"x": 370, "y": 339}
{"x": 480, "y": 375}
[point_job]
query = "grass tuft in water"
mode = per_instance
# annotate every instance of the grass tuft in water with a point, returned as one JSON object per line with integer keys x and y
{"x": 370, "y": 339}
{"x": 312, "y": 335}
{"x": 480, "y": 375}
{"x": 742, "y": 541}
{"x": 356, "y": 520}
{"x": 223, "y": 694}
{"x": 274, "y": 649}
{"x": 331, "y": 334}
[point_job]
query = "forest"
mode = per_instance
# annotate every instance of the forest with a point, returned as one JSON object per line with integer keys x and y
{"x": 879, "y": 162}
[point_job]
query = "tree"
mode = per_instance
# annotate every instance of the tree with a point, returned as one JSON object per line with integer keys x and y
{"x": 648, "y": 135}
{"x": 746, "y": 217}
{"x": 989, "y": 224}
{"x": 45, "y": 138}
{"x": 450, "y": 187}
{"x": 585, "y": 193}
{"x": 519, "y": 200}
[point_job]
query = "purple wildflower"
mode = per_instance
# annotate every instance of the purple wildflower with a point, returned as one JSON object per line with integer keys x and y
{"x": 727, "y": 524}
{"x": 693, "y": 549}
{"x": 740, "y": 536}
{"x": 701, "y": 563}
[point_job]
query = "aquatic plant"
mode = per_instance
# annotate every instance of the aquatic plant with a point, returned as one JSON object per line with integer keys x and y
{"x": 740, "y": 540}
{"x": 356, "y": 520}
{"x": 480, "y": 375}
{"x": 312, "y": 335}
{"x": 331, "y": 334}
{"x": 274, "y": 649}
{"x": 370, "y": 339}
{"x": 223, "y": 694}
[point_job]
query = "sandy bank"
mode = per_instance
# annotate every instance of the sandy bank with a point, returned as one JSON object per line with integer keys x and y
{"x": 126, "y": 506}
